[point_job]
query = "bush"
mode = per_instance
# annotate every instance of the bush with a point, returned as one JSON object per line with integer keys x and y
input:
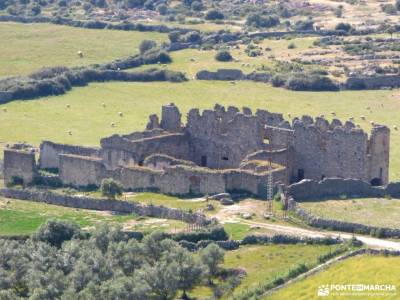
{"x": 174, "y": 36}
{"x": 146, "y": 45}
{"x": 278, "y": 80}
{"x": 216, "y": 233}
{"x": 111, "y": 188}
{"x": 303, "y": 82}
{"x": 343, "y": 27}
{"x": 223, "y": 56}
{"x": 389, "y": 9}
{"x": 214, "y": 15}
{"x": 291, "y": 46}
{"x": 259, "y": 21}
{"x": 55, "y": 232}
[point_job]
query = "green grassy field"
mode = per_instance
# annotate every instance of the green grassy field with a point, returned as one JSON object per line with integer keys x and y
{"x": 30, "y": 47}
{"x": 379, "y": 212}
{"x": 205, "y": 60}
{"x": 356, "y": 270}
{"x": 23, "y": 217}
{"x": 264, "y": 263}
{"x": 48, "y": 118}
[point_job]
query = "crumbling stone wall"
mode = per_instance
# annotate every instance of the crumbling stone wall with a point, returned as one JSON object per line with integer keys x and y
{"x": 372, "y": 83}
{"x": 161, "y": 161}
{"x": 336, "y": 187}
{"x": 81, "y": 170}
{"x": 19, "y": 163}
{"x": 220, "y": 139}
{"x": 118, "y": 150}
{"x": 49, "y": 153}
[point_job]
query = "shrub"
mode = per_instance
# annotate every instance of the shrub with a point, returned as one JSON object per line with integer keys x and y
{"x": 259, "y": 21}
{"x": 156, "y": 56}
{"x": 303, "y": 82}
{"x": 389, "y": 9}
{"x": 214, "y": 14}
{"x": 304, "y": 25}
{"x": 111, "y": 188}
{"x": 278, "y": 80}
{"x": 146, "y": 45}
{"x": 197, "y": 6}
{"x": 162, "y": 9}
{"x": 55, "y": 232}
{"x": 174, "y": 36}
{"x": 343, "y": 27}
{"x": 192, "y": 37}
{"x": 223, "y": 56}
{"x": 291, "y": 46}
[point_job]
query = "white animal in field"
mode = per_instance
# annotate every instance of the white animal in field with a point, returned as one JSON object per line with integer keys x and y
{"x": 80, "y": 54}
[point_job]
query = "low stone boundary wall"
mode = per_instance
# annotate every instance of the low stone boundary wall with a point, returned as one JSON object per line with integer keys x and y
{"x": 339, "y": 225}
{"x": 306, "y": 190}
{"x": 104, "y": 204}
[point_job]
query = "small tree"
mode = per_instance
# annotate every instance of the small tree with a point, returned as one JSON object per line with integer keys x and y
{"x": 111, "y": 188}
{"x": 214, "y": 14}
{"x": 344, "y": 27}
{"x": 55, "y": 232}
{"x": 223, "y": 56}
{"x": 211, "y": 257}
{"x": 146, "y": 45}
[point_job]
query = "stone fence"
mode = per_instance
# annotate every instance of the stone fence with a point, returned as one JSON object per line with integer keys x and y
{"x": 339, "y": 225}
{"x": 307, "y": 190}
{"x": 232, "y": 74}
{"x": 373, "y": 83}
{"x": 105, "y": 205}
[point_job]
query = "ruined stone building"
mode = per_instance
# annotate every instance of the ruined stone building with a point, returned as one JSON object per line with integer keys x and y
{"x": 217, "y": 150}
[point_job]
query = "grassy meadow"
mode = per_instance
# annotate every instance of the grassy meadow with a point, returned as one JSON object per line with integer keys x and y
{"x": 24, "y": 217}
{"x": 264, "y": 263}
{"x": 361, "y": 269}
{"x": 380, "y": 212}
{"x": 29, "y": 47}
{"x": 49, "y": 118}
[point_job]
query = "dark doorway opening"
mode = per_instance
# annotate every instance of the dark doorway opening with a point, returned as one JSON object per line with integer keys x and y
{"x": 194, "y": 187}
{"x": 203, "y": 161}
{"x": 225, "y": 158}
{"x": 376, "y": 182}
{"x": 322, "y": 177}
{"x": 300, "y": 174}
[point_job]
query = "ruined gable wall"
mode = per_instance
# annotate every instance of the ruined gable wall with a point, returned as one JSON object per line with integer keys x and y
{"x": 19, "y": 163}
{"x": 224, "y": 143}
{"x": 82, "y": 170}
{"x": 378, "y": 158}
{"x": 117, "y": 150}
{"x": 50, "y": 151}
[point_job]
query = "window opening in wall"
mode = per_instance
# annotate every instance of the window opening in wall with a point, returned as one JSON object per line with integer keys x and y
{"x": 225, "y": 158}
{"x": 300, "y": 174}
{"x": 204, "y": 161}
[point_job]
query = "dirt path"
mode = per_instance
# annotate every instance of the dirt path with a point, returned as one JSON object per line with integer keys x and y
{"x": 291, "y": 230}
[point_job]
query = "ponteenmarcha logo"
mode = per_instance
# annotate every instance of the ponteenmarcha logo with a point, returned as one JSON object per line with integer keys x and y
{"x": 358, "y": 289}
{"x": 323, "y": 290}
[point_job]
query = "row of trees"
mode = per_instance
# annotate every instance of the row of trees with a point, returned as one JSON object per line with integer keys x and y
{"x": 62, "y": 262}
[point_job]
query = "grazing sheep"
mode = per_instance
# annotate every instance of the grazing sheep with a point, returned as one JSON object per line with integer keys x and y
{"x": 68, "y": 106}
{"x": 192, "y": 59}
{"x": 103, "y": 104}
{"x": 5, "y": 109}
{"x": 69, "y": 132}
{"x": 112, "y": 124}
{"x": 395, "y": 127}
{"x": 232, "y": 82}
{"x": 80, "y": 54}
{"x": 362, "y": 117}
{"x": 333, "y": 113}
{"x": 351, "y": 119}
{"x": 372, "y": 123}
{"x": 120, "y": 114}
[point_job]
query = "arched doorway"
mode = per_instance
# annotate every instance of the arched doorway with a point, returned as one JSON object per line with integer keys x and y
{"x": 376, "y": 182}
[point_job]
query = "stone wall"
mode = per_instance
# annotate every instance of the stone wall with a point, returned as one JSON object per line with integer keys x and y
{"x": 81, "y": 170}
{"x": 333, "y": 188}
{"x": 221, "y": 74}
{"x": 49, "y": 153}
{"x": 104, "y": 205}
{"x": 373, "y": 83}
{"x": 339, "y": 225}
{"x": 19, "y": 163}
{"x": 332, "y": 149}
{"x": 336, "y": 187}
{"x": 118, "y": 150}
{"x": 221, "y": 139}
